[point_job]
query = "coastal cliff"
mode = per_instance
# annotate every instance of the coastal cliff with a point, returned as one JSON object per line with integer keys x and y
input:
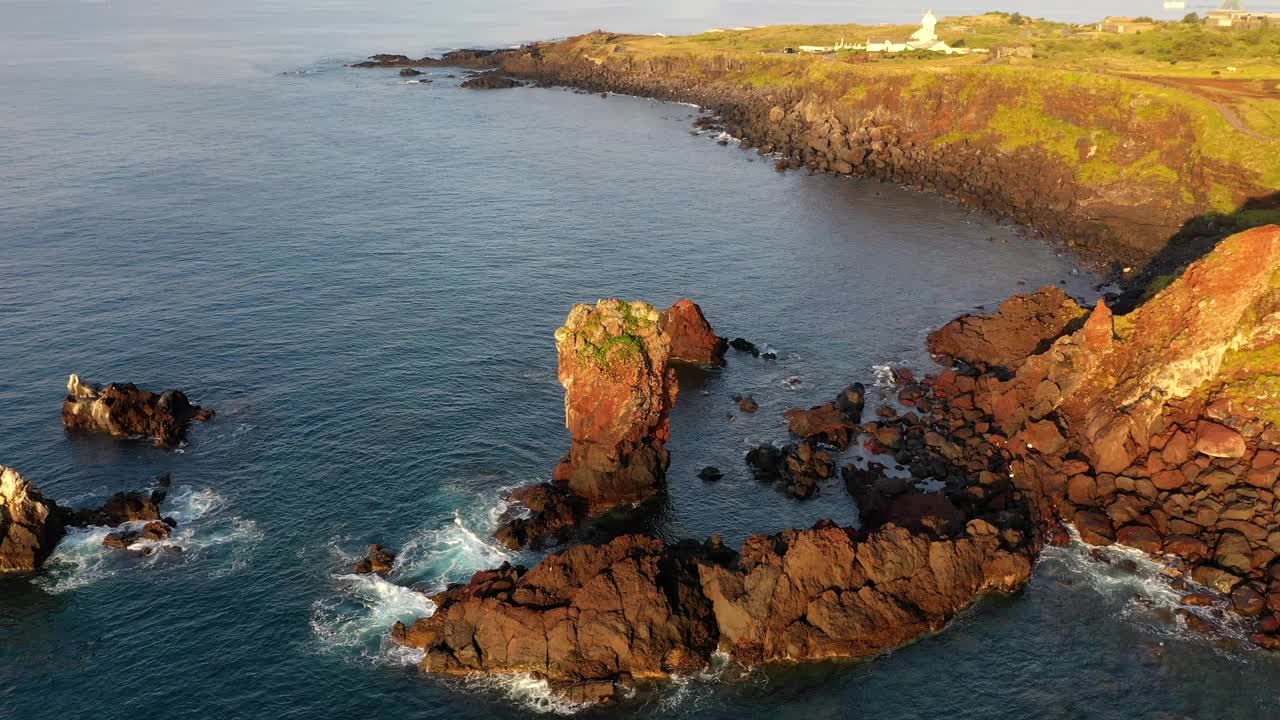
{"x": 1115, "y": 164}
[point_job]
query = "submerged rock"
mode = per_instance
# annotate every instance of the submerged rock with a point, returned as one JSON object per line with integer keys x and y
{"x": 124, "y": 410}
{"x": 126, "y": 539}
{"x": 378, "y": 561}
{"x": 490, "y": 81}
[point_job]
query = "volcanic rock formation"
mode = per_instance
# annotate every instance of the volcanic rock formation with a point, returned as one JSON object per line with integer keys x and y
{"x": 1158, "y": 429}
{"x": 30, "y": 525}
{"x": 692, "y": 339}
{"x": 615, "y": 365}
{"x": 124, "y": 410}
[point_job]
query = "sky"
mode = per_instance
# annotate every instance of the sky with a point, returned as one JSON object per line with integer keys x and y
{"x": 233, "y": 36}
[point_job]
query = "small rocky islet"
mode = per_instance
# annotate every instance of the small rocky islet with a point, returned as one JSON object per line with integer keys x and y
{"x": 32, "y": 525}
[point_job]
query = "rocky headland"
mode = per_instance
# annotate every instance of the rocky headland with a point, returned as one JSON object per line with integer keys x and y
{"x": 124, "y": 410}
{"x": 1158, "y": 429}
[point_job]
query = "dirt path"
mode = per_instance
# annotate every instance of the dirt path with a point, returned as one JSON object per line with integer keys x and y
{"x": 1219, "y": 94}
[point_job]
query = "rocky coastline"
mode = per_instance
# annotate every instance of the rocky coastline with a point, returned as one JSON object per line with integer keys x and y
{"x": 1158, "y": 429}
{"x": 934, "y": 132}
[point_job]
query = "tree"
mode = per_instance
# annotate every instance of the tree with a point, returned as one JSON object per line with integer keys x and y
{"x": 1191, "y": 18}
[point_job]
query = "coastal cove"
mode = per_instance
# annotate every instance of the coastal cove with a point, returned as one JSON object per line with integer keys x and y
{"x": 388, "y": 293}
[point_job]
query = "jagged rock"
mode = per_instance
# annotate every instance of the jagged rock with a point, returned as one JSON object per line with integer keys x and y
{"x": 490, "y": 81}
{"x": 152, "y": 531}
{"x": 615, "y": 365}
{"x": 637, "y": 608}
{"x": 824, "y": 423}
{"x": 798, "y": 467}
{"x": 30, "y": 525}
{"x": 1024, "y": 324}
{"x": 692, "y": 339}
{"x": 824, "y": 593}
{"x": 553, "y": 513}
{"x": 125, "y": 507}
{"x": 124, "y": 410}
{"x": 746, "y": 403}
{"x": 744, "y": 345}
{"x": 378, "y": 561}
{"x": 632, "y": 608}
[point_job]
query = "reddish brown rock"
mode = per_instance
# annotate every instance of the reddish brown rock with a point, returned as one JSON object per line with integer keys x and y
{"x": 1140, "y": 537}
{"x": 1023, "y": 325}
{"x": 619, "y": 390}
{"x": 824, "y": 423}
{"x": 631, "y": 608}
{"x": 1099, "y": 328}
{"x": 30, "y": 525}
{"x": 378, "y": 561}
{"x": 553, "y": 513}
{"x": 638, "y": 608}
{"x": 1094, "y": 528}
{"x": 124, "y": 410}
{"x": 125, "y": 539}
{"x": 1217, "y": 440}
{"x": 692, "y": 339}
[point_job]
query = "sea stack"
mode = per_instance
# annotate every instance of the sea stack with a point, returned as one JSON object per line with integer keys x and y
{"x": 124, "y": 410}
{"x": 619, "y": 388}
{"x": 615, "y": 363}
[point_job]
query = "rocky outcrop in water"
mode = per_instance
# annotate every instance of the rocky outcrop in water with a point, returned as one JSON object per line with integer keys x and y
{"x": 379, "y": 561}
{"x": 469, "y": 58}
{"x": 692, "y": 340}
{"x": 124, "y": 410}
{"x": 615, "y": 365}
{"x": 632, "y": 608}
{"x": 598, "y": 616}
{"x": 30, "y": 525}
{"x": 1024, "y": 324}
{"x": 619, "y": 390}
{"x": 491, "y": 81}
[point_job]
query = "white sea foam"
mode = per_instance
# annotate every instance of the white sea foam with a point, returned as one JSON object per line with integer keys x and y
{"x": 203, "y": 529}
{"x": 1142, "y": 587}
{"x": 356, "y": 619}
{"x": 529, "y": 692}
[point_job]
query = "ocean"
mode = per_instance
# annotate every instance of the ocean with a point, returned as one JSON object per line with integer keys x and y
{"x": 362, "y": 275}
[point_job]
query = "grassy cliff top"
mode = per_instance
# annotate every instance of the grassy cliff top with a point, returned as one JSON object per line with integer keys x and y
{"x": 1223, "y": 82}
{"x": 1173, "y": 49}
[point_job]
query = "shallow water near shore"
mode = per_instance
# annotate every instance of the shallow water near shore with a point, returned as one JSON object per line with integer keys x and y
{"x": 363, "y": 275}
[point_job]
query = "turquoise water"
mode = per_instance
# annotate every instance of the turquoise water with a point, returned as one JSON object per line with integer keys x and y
{"x": 363, "y": 276}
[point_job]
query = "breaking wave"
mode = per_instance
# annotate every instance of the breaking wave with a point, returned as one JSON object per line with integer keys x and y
{"x": 204, "y": 532}
{"x": 356, "y": 619}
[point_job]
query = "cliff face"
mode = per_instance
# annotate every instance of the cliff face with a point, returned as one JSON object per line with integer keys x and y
{"x": 1160, "y": 429}
{"x": 1112, "y": 164}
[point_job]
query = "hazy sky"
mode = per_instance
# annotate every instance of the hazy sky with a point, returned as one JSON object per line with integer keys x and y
{"x": 231, "y": 36}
